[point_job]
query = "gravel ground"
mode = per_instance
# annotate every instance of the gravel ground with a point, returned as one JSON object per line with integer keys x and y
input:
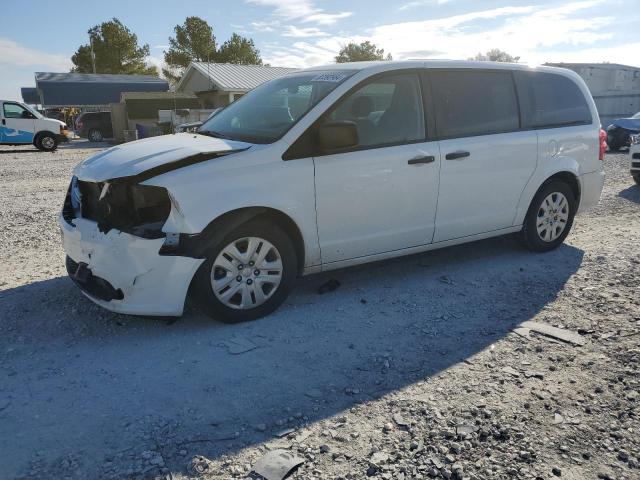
{"x": 410, "y": 370}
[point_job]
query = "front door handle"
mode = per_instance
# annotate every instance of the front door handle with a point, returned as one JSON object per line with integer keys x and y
{"x": 422, "y": 160}
{"x": 457, "y": 155}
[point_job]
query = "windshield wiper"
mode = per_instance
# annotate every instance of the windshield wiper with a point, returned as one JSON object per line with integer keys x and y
{"x": 211, "y": 133}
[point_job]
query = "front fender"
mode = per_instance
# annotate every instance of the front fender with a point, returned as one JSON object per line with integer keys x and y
{"x": 204, "y": 192}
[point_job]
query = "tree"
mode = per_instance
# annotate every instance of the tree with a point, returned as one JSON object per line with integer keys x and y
{"x": 116, "y": 50}
{"x": 194, "y": 42}
{"x": 361, "y": 53}
{"x": 239, "y": 50}
{"x": 495, "y": 55}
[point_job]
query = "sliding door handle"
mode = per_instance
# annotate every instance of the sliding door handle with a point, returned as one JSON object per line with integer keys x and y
{"x": 422, "y": 160}
{"x": 457, "y": 155}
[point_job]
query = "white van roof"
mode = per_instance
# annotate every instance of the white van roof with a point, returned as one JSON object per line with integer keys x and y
{"x": 395, "y": 65}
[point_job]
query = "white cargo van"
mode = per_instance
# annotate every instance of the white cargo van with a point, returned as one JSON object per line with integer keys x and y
{"x": 22, "y": 125}
{"x": 331, "y": 167}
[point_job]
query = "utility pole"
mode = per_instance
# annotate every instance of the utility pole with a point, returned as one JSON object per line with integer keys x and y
{"x": 93, "y": 55}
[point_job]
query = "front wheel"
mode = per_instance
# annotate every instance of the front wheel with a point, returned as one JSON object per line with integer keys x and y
{"x": 46, "y": 142}
{"x": 549, "y": 218}
{"x": 248, "y": 274}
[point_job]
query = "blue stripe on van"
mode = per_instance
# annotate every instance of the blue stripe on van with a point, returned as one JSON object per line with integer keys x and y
{"x": 10, "y": 135}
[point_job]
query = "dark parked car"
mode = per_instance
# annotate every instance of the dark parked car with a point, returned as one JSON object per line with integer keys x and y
{"x": 96, "y": 126}
{"x": 620, "y": 131}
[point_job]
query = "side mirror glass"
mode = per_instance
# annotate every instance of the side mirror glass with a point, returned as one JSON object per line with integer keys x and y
{"x": 336, "y": 136}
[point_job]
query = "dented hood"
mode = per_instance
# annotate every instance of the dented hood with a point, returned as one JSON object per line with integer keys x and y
{"x": 143, "y": 159}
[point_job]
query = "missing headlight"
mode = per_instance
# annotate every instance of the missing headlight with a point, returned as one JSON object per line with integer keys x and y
{"x": 139, "y": 210}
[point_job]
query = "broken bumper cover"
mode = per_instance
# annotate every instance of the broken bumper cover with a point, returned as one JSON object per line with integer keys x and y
{"x": 124, "y": 273}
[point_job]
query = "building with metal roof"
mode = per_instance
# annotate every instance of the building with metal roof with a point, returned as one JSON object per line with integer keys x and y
{"x": 218, "y": 84}
{"x": 615, "y": 88}
{"x": 30, "y": 95}
{"x": 84, "y": 90}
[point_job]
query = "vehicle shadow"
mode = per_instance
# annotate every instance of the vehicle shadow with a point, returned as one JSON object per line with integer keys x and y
{"x": 82, "y": 379}
{"x": 32, "y": 150}
{"x": 632, "y": 193}
{"x": 82, "y": 144}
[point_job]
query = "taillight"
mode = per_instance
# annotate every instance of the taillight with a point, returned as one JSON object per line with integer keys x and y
{"x": 603, "y": 143}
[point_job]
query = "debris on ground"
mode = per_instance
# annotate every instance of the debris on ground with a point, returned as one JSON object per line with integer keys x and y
{"x": 277, "y": 464}
{"x": 238, "y": 345}
{"x": 554, "y": 332}
{"x": 329, "y": 286}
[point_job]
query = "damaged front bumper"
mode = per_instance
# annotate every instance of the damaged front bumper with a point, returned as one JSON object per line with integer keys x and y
{"x": 125, "y": 273}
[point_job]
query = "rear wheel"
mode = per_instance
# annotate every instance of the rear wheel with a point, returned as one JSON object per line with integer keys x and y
{"x": 549, "y": 218}
{"x": 248, "y": 274}
{"x": 95, "y": 135}
{"x": 46, "y": 142}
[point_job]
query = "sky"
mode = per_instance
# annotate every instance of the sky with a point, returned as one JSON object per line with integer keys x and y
{"x": 41, "y": 35}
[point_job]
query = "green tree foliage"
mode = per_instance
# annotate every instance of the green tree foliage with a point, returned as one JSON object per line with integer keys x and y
{"x": 194, "y": 41}
{"x": 365, "y": 51}
{"x": 495, "y": 55}
{"x": 239, "y": 50}
{"x": 116, "y": 50}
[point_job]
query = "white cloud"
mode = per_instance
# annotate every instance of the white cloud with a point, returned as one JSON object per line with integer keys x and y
{"x": 291, "y": 31}
{"x": 562, "y": 32}
{"x": 14, "y": 54}
{"x": 264, "y": 26}
{"x": 421, "y": 3}
{"x": 326, "y": 18}
{"x": 301, "y": 10}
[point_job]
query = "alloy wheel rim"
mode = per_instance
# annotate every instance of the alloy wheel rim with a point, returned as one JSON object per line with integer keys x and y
{"x": 246, "y": 273}
{"x": 48, "y": 142}
{"x": 553, "y": 215}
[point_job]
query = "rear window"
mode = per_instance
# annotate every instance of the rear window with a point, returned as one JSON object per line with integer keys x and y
{"x": 470, "y": 103}
{"x": 548, "y": 100}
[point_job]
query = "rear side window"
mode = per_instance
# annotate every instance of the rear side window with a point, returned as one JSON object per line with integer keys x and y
{"x": 470, "y": 103}
{"x": 548, "y": 100}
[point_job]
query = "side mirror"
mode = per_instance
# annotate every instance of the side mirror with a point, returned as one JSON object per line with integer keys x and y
{"x": 27, "y": 115}
{"x": 335, "y": 136}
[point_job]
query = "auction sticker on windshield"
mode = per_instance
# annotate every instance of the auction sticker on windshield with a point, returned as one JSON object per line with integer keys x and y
{"x": 330, "y": 77}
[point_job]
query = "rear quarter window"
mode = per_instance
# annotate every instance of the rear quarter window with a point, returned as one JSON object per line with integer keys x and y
{"x": 549, "y": 100}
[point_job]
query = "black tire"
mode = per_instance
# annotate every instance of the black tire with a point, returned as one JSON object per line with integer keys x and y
{"x": 203, "y": 289}
{"x": 529, "y": 234}
{"x": 636, "y": 178}
{"x": 95, "y": 135}
{"x": 46, "y": 142}
{"x": 613, "y": 147}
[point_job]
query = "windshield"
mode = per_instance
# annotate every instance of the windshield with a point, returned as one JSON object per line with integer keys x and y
{"x": 34, "y": 111}
{"x": 266, "y": 113}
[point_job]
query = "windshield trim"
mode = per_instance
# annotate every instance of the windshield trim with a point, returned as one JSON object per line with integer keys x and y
{"x": 264, "y": 140}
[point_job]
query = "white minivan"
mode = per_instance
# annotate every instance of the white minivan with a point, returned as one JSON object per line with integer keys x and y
{"x": 326, "y": 168}
{"x": 22, "y": 125}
